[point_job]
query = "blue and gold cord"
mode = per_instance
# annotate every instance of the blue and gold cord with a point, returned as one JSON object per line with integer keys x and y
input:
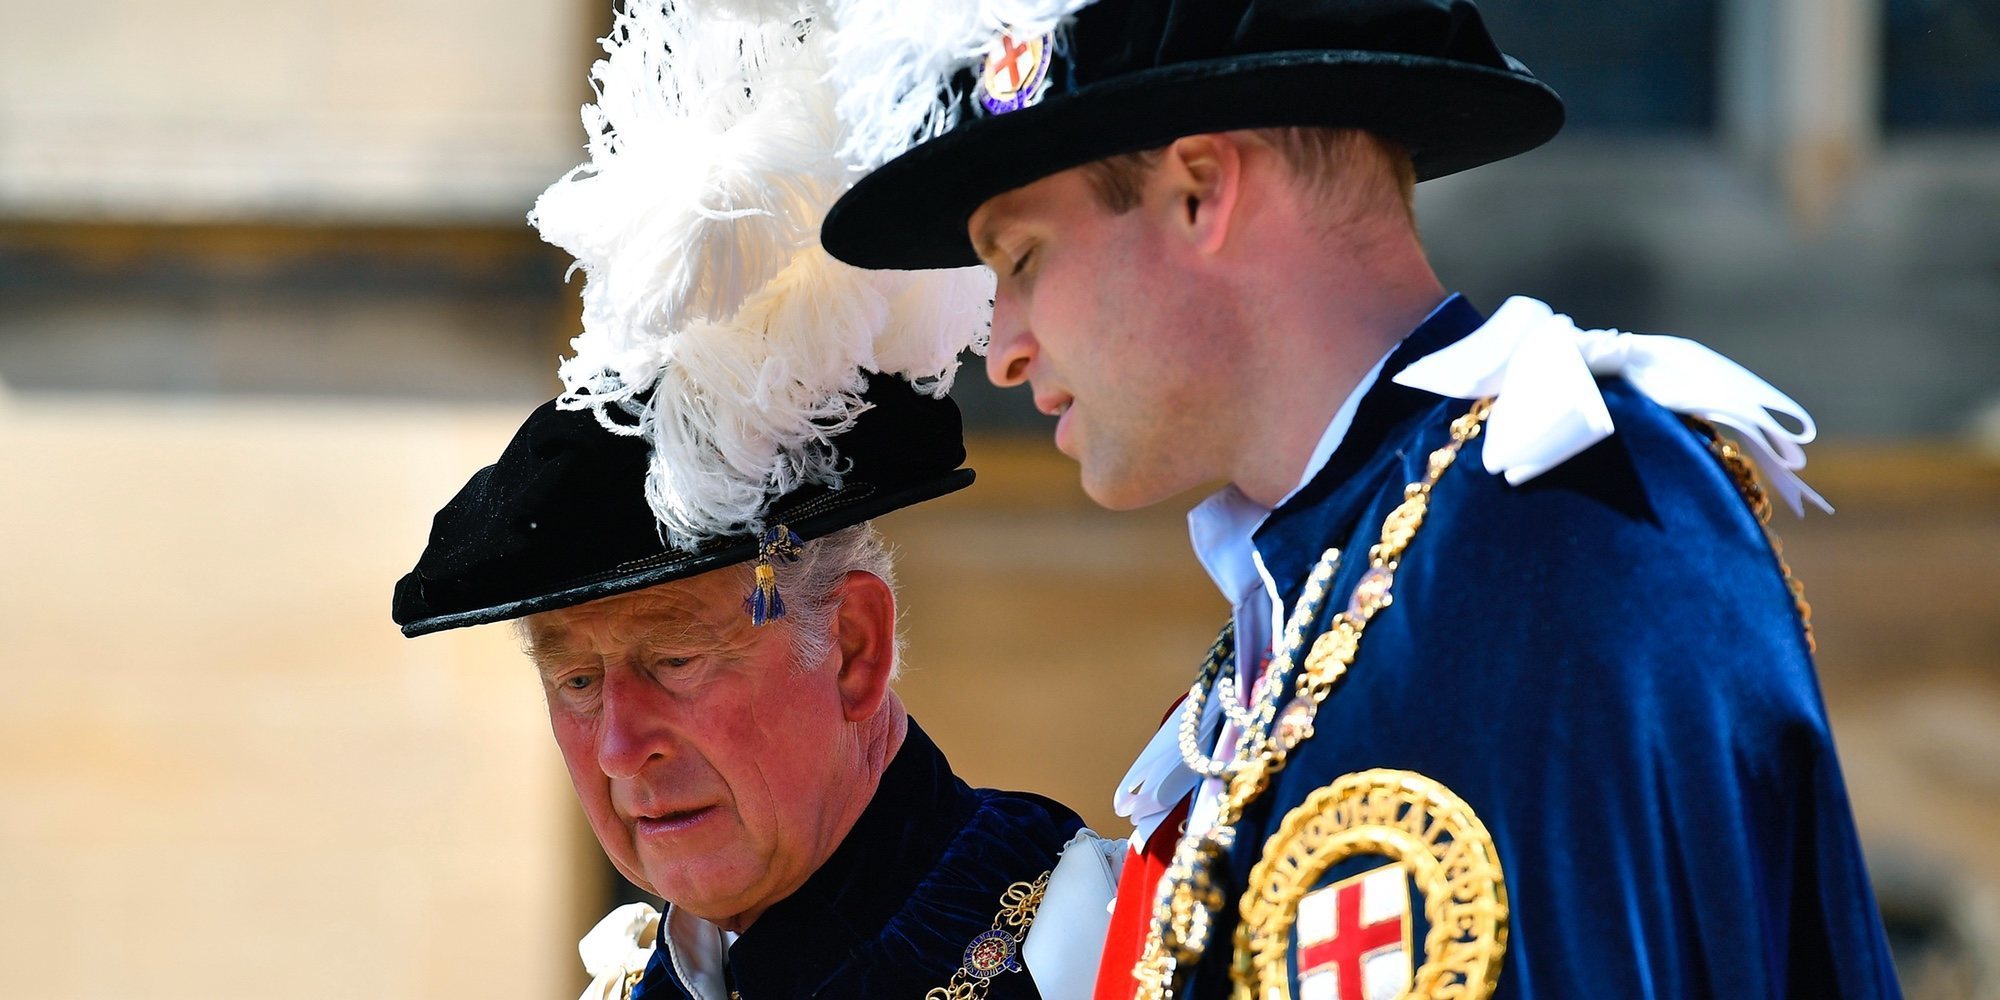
{"x": 764, "y": 602}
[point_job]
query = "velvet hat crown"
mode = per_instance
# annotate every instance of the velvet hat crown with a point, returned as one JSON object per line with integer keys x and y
{"x": 1126, "y": 75}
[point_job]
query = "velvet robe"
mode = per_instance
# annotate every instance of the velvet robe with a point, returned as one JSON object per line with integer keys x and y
{"x": 1606, "y": 665}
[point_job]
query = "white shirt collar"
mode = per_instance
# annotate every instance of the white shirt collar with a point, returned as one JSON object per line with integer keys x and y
{"x": 698, "y": 951}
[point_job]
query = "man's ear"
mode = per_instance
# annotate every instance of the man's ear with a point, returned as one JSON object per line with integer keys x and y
{"x": 1204, "y": 175}
{"x": 865, "y": 632}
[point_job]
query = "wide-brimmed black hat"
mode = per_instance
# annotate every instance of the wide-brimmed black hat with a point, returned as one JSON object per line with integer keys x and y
{"x": 1129, "y": 75}
{"x": 561, "y": 518}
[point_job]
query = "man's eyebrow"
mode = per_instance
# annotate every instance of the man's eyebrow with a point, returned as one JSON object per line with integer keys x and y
{"x": 985, "y": 242}
{"x": 548, "y": 652}
{"x": 553, "y": 647}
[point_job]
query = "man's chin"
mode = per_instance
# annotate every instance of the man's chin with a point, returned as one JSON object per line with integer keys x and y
{"x": 1116, "y": 489}
{"x": 696, "y": 887}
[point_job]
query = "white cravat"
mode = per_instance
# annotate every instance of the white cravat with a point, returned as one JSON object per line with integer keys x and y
{"x": 1542, "y": 371}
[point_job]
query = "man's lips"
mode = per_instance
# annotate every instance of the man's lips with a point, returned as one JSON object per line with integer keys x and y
{"x": 1056, "y": 404}
{"x": 672, "y": 821}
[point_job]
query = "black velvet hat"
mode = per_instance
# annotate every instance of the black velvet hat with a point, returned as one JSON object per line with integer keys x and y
{"x": 1129, "y": 75}
{"x": 562, "y": 518}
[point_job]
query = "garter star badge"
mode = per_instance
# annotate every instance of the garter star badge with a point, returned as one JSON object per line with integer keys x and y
{"x": 991, "y": 954}
{"x": 1011, "y": 75}
{"x": 1352, "y": 939}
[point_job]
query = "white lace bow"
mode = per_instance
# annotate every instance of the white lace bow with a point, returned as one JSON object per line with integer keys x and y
{"x": 620, "y": 945}
{"x": 1541, "y": 370}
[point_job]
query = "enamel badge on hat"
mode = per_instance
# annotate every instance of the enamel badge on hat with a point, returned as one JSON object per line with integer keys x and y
{"x": 1011, "y": 74}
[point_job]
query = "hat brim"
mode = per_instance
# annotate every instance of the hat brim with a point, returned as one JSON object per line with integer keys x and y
{"x": 815, "y": 518}
{"x": 911, "y": 212}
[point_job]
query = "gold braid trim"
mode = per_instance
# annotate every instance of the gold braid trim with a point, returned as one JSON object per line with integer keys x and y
{"x": 1744, "y": 474}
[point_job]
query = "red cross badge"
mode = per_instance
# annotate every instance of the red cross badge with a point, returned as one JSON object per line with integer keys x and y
{"x": 1354, "y": 938}
{"x": 1011, "y": 75}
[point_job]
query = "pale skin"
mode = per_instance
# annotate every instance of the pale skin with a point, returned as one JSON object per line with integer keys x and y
{"x": 1208, "y": 335}
{"x": 716, "y": 771}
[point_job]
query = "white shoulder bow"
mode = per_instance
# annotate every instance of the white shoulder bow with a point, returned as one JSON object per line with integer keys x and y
{"x": 1540, "y": 369}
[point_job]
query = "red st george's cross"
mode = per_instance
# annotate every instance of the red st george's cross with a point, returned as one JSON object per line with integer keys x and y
{"x": 1010, "y": 60}
{"x": 1338, "y": 951}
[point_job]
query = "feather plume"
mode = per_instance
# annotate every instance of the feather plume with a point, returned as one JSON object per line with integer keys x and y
{"x": 893, "y": 63}
{"x": 697, "y": 190}
{"x": 714, "y": 325}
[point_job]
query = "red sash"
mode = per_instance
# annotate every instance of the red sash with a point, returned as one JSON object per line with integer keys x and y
{"x": 1132, "y": 916}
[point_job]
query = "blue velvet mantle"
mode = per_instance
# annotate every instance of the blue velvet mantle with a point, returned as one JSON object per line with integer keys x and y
{"x": 1606, "y": 664}
{"x": 889, "y": 915}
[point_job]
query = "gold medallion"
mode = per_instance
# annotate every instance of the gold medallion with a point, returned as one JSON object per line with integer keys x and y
{"x": 1425, "y": 831}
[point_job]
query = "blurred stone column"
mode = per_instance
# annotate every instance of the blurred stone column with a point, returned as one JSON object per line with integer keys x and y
{"x": 1800, "y": 83}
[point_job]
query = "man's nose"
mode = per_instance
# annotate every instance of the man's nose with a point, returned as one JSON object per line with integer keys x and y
{"x": 1011, "y": 348}
{"x": 634, "y": 724}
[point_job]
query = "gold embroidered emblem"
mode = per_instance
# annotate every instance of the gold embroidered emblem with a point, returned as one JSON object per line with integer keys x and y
{"x": 1409, "y": 819}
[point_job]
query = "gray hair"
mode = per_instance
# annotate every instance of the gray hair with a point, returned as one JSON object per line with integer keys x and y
{"x": 811, "y": 588}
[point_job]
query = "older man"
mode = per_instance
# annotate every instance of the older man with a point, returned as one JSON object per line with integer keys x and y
{"x": 1512, "y": 705}
{"x": 683, "y": 536}
{"x": 764, "y": 779}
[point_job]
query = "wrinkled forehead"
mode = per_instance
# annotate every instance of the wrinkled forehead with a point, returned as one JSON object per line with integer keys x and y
{"x": 703, "y": 611}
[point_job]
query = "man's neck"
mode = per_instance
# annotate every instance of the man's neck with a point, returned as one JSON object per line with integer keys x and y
{"x": 1313, "y": 361}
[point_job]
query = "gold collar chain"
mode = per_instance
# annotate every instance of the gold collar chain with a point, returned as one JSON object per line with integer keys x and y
{"x": 1191, "y": 706}
{"x": 1190, "y": 892}
{"x": 1255, "y": 721}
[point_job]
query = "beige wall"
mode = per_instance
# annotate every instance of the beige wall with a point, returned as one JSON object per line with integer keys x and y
{"x": 222, "y": 772}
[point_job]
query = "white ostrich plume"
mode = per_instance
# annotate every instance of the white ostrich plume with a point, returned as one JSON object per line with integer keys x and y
{"x": 893, "y": 62}
{"x": 713, "y": 323}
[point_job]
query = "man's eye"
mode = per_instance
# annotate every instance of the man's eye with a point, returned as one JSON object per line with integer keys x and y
{"x": 676, "y": 662}
{"x": 1021, "y": 262}
{"x": 578, "y": 682}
